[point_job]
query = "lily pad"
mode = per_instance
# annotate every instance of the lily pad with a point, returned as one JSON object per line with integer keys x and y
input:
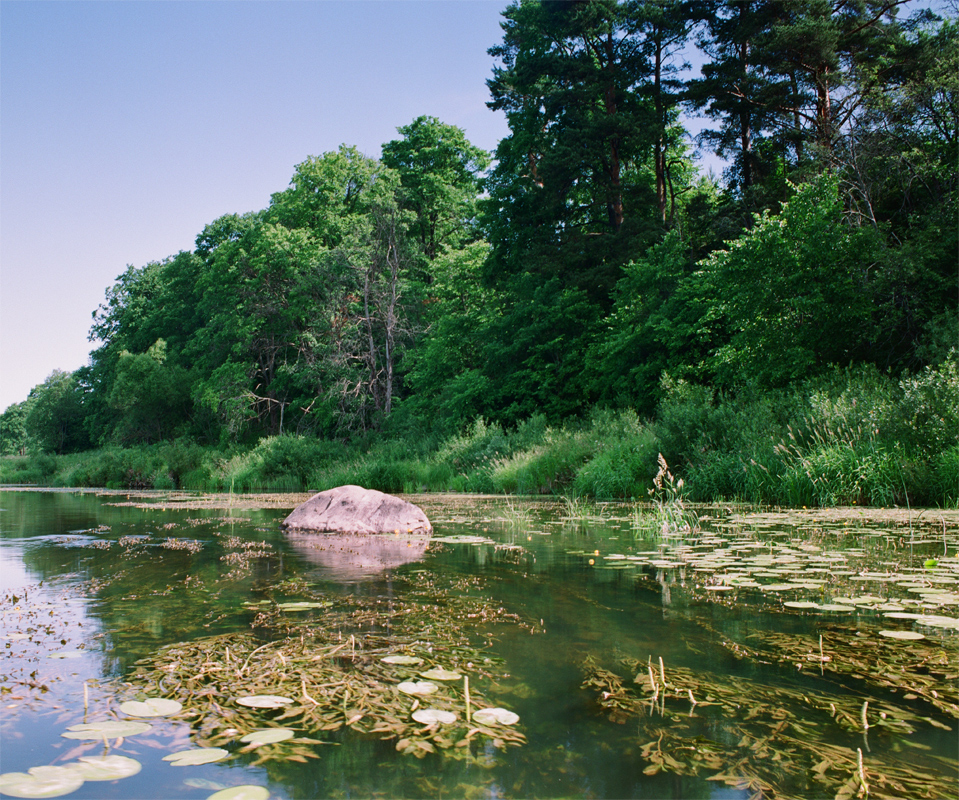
{"x": 105, "y": 768}
{"x": 417, "y": 687}
{"x": 440, "y": 674}
{"x": 196, "y": 756}
{"x": 491, "y": 716}
{"x": 800, "y": 604}
{"x": 268, "y": 736}
{"x": 41, "y": 782}
{"x": 264, "y": 701}
{"x": 66, "y": 654}
{"x": 431, "y": 716}
{"x": 304, "y": 605}
{"x": 153, "y": 707}
{"x": 402, "y": 660}
{"x": 907, "y": 635}
{"x": 247, "y": 791}
{"x": 108, "y": 729}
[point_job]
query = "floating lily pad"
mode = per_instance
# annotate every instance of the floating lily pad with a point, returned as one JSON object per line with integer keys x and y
{"x": 417, "y": 687}
{"x": 196, "y": 756}
{"x": 402, "y": 660}
{"x": 41, "y": 782}
{"x": 268, "y": 736}
{"x": 153, "y": 707}
{"x": 203, "y": 783}
{"x": 247, "y": 791}
{"x": 801, "y": 604}
{"x": 66, "y": 654}
{"x": 835, "y": 607}
{"x": 15, "y": 636}
{"x": 934, "y": 621}
{"x": 105, "y": 768}
{"x": 108, "y": 729}
{"x": 440, "y": 674}
{"x": 907, "y": 635}
{"x": 431, "y": 716}
{"x": 491, "y": 716}
{"x": 304, "y": 605}
{"x": 264, "y": 701}
{"x": 463, "y": 539}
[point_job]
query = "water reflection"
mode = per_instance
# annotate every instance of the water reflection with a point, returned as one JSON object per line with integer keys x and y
{"x": 347, "y": 557}
{"x": 735, "y": 613}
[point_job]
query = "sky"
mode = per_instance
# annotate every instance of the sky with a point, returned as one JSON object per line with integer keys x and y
{"x": 126, "y": 127}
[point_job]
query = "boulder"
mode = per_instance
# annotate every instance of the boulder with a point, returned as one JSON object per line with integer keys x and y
{"x": 353, "y": 509}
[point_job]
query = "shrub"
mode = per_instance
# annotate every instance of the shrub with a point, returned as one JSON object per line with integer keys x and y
{"x": 947, "y": 476}
{"x": 623, "y": 469}
{"x": 279, "y": 463}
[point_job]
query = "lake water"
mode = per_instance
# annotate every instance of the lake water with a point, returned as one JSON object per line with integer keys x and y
{"x": 759, "y": 654}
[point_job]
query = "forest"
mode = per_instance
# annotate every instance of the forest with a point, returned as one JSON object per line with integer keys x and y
{"x": 557, "y": 314}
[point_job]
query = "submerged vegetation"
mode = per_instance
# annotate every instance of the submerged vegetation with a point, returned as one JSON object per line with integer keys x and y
{"x": 359, "y": 669}
{"x": 553, "y": 316}
{"x": 782, "y": 654}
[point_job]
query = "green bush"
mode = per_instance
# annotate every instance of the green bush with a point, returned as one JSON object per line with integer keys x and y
{"x": 946, "y": 473}
{"x": 279, "y": 463}
{"x": 625, "y": 468}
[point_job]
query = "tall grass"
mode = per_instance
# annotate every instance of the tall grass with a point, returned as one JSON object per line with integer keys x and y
{"x": 853, "y": 436}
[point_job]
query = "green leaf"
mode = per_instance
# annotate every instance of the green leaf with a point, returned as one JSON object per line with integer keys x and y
{"x": 105, "y": 768}
{"x": 109, "y": 729}
{"x": 153, "y": 707}
{"x": 440, "y": 674}
{"x": 492, "y": 716}
{"x": 200, "y": 755}
{"x": 268, "y": 736}
{"x": 247, "y": 791}
{"x": 303, "y": 605}
{"x": 402, "y": 660}
{"x": 264, "y": 701}
{"x": 431, "y": 716}
{"x": 40, "y": 782}
{"x": 905, "y": 635}
{"x": 417, "y": 687}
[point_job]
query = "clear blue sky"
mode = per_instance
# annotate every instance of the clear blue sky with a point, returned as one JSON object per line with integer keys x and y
{"x": 126, "y": 127}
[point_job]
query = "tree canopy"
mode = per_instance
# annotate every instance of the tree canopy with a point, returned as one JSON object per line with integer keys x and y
{"x": 586, "y": 262}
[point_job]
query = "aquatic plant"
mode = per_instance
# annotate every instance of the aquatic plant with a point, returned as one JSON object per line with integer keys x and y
{"x": 313, "y": 673}
{"x": 696, "y": 723}
{"x": 670, "y": 514}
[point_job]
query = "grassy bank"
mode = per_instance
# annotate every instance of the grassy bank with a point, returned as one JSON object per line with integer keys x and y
{"x": 855, "y": 438}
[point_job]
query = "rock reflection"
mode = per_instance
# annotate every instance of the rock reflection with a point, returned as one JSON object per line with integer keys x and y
{"x": 351, "y": 556}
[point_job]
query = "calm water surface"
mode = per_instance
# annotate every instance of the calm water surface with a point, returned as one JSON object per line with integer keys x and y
{"x": 761, "y": 655}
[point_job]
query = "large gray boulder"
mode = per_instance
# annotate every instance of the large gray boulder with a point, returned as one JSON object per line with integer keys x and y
{"x": 353, "y": 509}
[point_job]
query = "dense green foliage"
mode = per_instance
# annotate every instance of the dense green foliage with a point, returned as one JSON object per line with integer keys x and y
{"x": 554, "y": 317}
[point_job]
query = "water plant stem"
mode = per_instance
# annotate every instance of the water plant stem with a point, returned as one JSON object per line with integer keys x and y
{"x": 862, "y": 773}
{"x": 466, "y": 691}
{"x": 247, "y": 662}
{"x": 305, "y": 695}
{"x": 865, "y": 722}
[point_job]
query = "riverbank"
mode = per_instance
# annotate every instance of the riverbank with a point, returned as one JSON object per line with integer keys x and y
{"x": 859, "y": 439}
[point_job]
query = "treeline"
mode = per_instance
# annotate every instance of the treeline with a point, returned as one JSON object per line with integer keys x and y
{"x": 585, "y": 265}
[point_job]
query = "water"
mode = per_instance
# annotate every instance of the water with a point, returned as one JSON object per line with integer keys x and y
{"x": 570, "y": 622}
